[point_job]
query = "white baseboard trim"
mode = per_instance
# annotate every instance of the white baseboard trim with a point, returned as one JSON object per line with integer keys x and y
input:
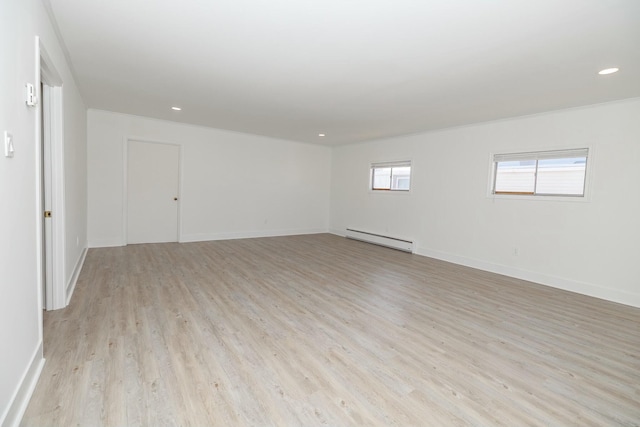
{"x": 71, "y": 286}
{"x": 106, "y": 243}
{"x": 341, "y": 233}
{"x": 583, "y": 288}
{"x": 186, "y": 238}
{"x": 21, "y": 396}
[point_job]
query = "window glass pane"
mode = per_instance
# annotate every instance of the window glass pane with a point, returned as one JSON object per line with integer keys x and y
{"x": 515, "y": 177}
{"x": 402, "y": 183}
{"x": 561, "y": 176}
{"x": 382, "y": 178}
{"x": 401, "y": 177}
{"x": 554, "y": 173}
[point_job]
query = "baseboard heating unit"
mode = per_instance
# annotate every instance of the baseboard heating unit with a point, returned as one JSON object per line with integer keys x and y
{"x": 379, "y": 239}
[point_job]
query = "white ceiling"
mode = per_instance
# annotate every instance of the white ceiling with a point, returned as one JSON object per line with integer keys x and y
{"x": 352, "y": 69}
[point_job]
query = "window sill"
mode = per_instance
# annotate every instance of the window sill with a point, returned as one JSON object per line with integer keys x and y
{"x": 405, "y": 192}
{"x": 579, "y": 199}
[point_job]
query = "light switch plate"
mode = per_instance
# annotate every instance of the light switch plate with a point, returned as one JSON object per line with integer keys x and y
{"x": 8, "y": 144}
{"x": 32, "y": 99}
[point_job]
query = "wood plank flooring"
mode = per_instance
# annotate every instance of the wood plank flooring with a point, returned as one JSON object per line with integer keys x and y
{"x": 321, "y": 330}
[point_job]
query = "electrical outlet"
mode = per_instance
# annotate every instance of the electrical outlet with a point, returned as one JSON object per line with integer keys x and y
{"x": 8, "y": 144}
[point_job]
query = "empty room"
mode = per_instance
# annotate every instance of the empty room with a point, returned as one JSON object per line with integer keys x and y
{"x": 308, "y": 213}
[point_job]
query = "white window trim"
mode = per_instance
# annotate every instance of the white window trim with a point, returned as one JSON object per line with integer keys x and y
{"x": 387, "y": 163}
{"x": 577, "y": 199}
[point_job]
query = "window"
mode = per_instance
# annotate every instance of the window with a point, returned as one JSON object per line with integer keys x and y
{"x": 542, "y": 173}
{"x": 391, "y": 176}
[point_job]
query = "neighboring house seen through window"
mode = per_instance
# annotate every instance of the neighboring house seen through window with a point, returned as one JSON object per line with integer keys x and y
{"x": 391, "y": 176}
{"x": 541, "y": 173}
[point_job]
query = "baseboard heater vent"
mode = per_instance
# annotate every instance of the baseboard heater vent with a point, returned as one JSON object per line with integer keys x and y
{"x": 379, "y": 239}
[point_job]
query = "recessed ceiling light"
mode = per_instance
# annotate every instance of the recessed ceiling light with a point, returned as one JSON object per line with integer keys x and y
{"x": 176, "y": 108}
{"x": 608, "y": 71}
{"x": 321, "y": 134}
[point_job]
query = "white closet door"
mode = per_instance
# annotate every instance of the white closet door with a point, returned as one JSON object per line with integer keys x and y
{"x": 153, "y": 174}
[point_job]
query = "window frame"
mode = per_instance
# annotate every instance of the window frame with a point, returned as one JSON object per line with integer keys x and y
{"x": 390, "y": 164}
{"x": 536, "y": 155}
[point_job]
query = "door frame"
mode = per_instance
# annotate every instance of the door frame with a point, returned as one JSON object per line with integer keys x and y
{"x": 46, "y": 74}
{"x": 125, "y": 183}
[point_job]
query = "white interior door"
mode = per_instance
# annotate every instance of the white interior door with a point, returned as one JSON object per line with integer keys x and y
{"x": 51, "y": 185}
{"x": 47, "y": 244}
{"x": 153, "y": 174}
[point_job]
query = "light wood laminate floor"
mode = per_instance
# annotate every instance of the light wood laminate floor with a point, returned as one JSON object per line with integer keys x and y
{"x": 321, "y": 330}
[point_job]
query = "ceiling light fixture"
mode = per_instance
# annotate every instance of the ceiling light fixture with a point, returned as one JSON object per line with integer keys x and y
{"x": 608, "y": 71}
{"x": 176, "y": 108}
{"x": 321, "y": 134}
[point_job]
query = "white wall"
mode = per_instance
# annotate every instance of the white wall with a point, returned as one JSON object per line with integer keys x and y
{"x": 591, "y": 246}
{"x": 233, "y": 184}
{"x": 20, "y": 304}
{"x": 75, "y": 183}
